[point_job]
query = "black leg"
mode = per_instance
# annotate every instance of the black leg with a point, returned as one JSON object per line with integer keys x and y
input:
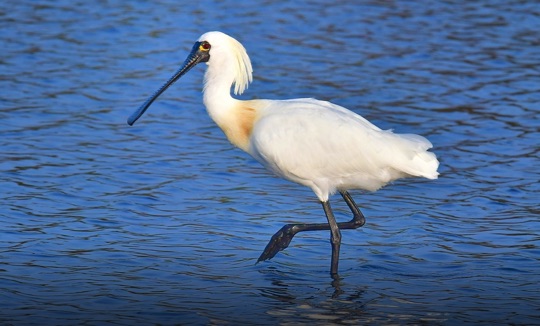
{"x": 335, "y": 237}
{"x": 283, "y": 237}
{"x": 358, "y": 219}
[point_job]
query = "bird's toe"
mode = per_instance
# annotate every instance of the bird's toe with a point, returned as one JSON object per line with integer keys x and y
{"x": 278, "y": 242}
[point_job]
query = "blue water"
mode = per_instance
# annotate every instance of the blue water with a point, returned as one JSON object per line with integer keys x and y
{"x": 162, "y": 222}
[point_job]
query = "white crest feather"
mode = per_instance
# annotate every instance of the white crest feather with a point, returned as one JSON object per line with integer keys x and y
{"x": 243, "y": 70}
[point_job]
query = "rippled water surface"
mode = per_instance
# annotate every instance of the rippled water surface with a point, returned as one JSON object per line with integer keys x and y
{"x": 162, "y": 222}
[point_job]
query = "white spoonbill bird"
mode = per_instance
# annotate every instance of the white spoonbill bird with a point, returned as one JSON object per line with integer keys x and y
{"x": 314, "y": 143}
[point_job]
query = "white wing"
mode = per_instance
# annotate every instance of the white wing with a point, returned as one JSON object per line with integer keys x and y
{"x": 327, "y": 147}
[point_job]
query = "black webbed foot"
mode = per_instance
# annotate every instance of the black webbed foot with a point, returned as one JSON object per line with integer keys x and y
{"x": 278, "y": 242}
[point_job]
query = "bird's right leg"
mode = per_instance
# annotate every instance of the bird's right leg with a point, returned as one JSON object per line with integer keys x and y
{"x": 282, "y": 238}
{"x": 358, "y": 219}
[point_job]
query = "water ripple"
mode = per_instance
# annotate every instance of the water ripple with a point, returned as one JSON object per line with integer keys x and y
{"x": 162, "y": 223}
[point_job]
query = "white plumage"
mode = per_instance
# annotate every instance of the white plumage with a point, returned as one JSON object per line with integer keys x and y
{"x": 328, "y": 148}
{"x": 314, "y": 143}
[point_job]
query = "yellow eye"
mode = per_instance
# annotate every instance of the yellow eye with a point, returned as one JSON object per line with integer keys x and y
{"x": 205, "y": 46}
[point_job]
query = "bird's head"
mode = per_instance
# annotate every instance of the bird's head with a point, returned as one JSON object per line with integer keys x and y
{"x": 211, "y": 47}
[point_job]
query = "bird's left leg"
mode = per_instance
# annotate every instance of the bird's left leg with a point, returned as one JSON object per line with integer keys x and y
{"x": 283, "y": 237}
{"x": 335, "y": 237}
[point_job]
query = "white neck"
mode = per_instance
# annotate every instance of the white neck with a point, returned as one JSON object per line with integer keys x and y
{"x": 217, "y": 90}
{"x": 233, "y": 116}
